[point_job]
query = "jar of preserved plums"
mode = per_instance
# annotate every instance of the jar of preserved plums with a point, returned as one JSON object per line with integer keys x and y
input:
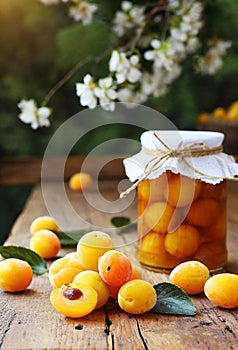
{"x": 181, "y": 186}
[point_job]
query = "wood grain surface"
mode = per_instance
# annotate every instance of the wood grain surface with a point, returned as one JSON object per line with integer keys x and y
{"x": 29, "y": 322}
{"x": 27, "y": 170}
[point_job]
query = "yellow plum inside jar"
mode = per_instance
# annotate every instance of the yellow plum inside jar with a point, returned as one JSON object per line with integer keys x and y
{"x": 162, "y": 250}
{"x": 182, "y": 217}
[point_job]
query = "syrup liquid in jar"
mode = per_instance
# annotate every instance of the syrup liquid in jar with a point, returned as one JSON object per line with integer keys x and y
{"x": 181, "y": 219}
{"x": 181, "y": 187}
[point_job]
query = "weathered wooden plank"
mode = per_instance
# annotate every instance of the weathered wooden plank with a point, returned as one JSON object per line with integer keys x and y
{"x": 28, "y": 321}
{"x": 14, "y": 171}
{"x": 37, "y": 326}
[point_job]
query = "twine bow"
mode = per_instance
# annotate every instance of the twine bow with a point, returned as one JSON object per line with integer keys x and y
{"x": 195, "y": 149}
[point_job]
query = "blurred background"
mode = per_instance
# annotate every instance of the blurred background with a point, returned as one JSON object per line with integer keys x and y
{"x": 40, "y": 44}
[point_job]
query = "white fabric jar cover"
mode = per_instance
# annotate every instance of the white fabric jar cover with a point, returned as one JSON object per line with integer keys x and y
{"x": 211, "y": 168}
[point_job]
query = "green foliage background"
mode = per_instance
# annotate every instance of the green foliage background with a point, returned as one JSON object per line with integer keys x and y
{"x": 39, "y": 44}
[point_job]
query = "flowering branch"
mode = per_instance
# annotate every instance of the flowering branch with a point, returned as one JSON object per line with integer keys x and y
{"x": 66, "y": 78}
{"x": 71, "y": 73}
{"x": 154, "y": 40}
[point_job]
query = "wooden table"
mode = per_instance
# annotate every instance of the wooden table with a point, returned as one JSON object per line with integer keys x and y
{"x": 28, "y": 321}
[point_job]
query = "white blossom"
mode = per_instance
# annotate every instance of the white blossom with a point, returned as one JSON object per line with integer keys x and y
{"x": 129, "y": 96}
{"x": 90, "y": 92}
{"x": 212, "y": 61}
{"x": 125, "y": 69}
{"x": 195, "y": 12}
{"x": 148, "y": 83}
{"x": 134, "y": 73}
{"x": 180, "y": 48}
{"x": 131, "y": 17}
{"x": 118, "y": 62}
{"x": 173, "y": 73}
{"x": 125, "y": 95}
{"x": 137, "y": 15}
{"x": 210, "y": 64}
{"x": 151, "y": 54}
{"x": 173, "y": 4}
{"x": 157, "y": 82}
{"x": 184, "y": 7}
{"x": 106, "y": 93}
{"x": 183, "y": 37}
{"x": 129, "y": 81}
{"x": 126, "y": 5}
{"x": 192, "y": 44}
{"x": 82, "y": 11}
{"x": 221, "y": 47}
{"x": 121, "y": 24}
{"x": 30, "y": 114}
{"x": 161, "y": 55}
{"x": 86, "y": 93}
{"x": 178, "y": 34}
{"x": 154, "y": 83}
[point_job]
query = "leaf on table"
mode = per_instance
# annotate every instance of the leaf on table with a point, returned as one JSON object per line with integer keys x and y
{"x": 36, "y": 262}
{"x": 123, "y": 223}
{"x": 120, "y": 221}
{"x": 172, "y": 300}
{"x": 68, "y": 238}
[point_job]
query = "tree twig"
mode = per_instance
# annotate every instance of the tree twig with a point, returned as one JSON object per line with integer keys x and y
{"x": 71, "y": 73}
{"x": 162, "y": 5}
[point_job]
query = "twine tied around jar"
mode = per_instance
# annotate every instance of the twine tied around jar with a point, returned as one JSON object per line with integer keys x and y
{"x": 195, "y": 149}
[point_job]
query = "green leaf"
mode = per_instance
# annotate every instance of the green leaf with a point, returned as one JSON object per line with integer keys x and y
{"x": 123, "y": 224}
{"x": 120, "y": 221}
{"x": 68, "y": 238}
{"x": 172, "y": 300}
{"x": 36, "y": 262}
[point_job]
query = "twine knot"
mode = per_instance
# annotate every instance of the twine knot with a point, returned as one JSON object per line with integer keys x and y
{"x": 195, "y": 149}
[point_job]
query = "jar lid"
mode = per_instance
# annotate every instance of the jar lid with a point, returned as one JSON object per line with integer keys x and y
{"x": 161, "y": 150}
{"x": 175, "y": 138}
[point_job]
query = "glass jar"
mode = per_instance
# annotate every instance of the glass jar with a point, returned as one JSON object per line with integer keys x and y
{"x": 181, "y": 219}
{"x": 181, "y": 198}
